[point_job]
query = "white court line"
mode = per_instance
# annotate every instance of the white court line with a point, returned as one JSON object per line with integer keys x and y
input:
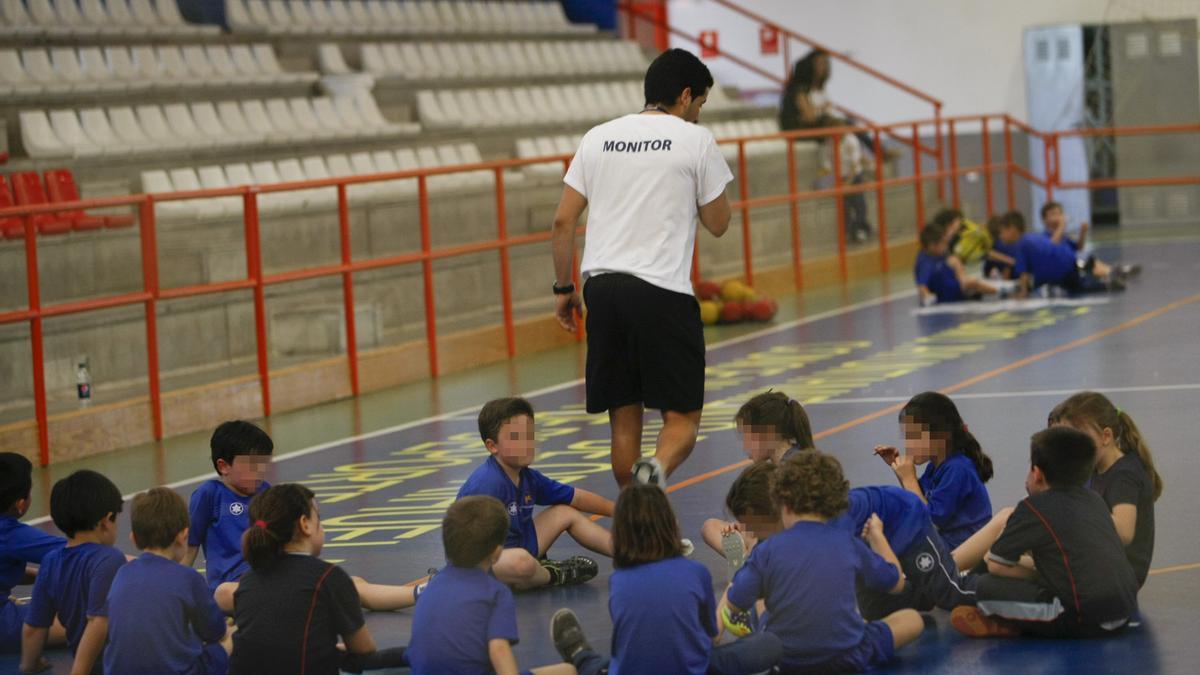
{"x": 1017, "y": 394}
{"x": 535, "y": 393}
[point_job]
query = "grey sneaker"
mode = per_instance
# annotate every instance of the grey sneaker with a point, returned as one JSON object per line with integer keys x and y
{"x": 734, "y": 548}
{"x": 650, "y": 472}
{"x": 567, "y": 635}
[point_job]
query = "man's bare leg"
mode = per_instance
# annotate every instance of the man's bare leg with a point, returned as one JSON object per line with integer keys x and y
{"x": 626, "y": 426}
{"x": 677, "y": 438}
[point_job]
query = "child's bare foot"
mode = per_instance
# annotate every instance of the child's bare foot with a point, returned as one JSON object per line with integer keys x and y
{"x": 972, "y": 622}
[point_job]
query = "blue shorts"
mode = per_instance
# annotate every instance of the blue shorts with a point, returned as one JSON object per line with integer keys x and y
{"x": 876, "y": 649}
{"x": 12, "y": 617}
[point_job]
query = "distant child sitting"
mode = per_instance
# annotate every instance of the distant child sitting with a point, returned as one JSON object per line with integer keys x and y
{"x": 21, "y": 545}
{"x": 73, "y": 582}
{"x": 1001, "y": 260}
{"x": 956, "y": 466}
{"x": 506, "y": 427}
{"x": 219, "y": 515}
{"x": 807, "y": 574}
{"x": 1042, "y": 261}
{"x": 662, "y": 605}
{"x": 292, "y": 607}
{"x": 940, "y": 277}
{"x": 1125, "y": 474}
{"x": 1083, "y": 585}
{"x": 161, "y": 615}
{"x": 466, "y": 621}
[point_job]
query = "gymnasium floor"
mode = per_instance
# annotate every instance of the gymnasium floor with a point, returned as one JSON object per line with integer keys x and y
{"x": 851, "y": 355}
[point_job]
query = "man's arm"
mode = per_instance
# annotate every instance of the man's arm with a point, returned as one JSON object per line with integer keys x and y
{"x": 715, "y": 215}
{"x": 592, "y": 503}
{"x": 91, "y": 645}
{"x": 566, "y": 218}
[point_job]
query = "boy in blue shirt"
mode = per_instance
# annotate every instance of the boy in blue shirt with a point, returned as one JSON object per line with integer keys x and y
{"x": 466, "y": 621}
{"x": 807, "y": 574}
{"x": 73, "y": 581}
{"x": 162, "y": 617}
{"x": 506, "y": 427}
{"x": 20, "y": 545}
{"x": 1042, "y": 260}
{"x": 940, "y": 276}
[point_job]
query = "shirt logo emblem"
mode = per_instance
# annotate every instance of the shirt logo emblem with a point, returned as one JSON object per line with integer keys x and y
{"x": 925, "y": 562}
{"x": 528, "y": 499}
{"x": 237, "y": 508}
{"x": 512, "y": 508}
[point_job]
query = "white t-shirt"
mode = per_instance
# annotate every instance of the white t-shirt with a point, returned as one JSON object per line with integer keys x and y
{"x": 645, "y": 177}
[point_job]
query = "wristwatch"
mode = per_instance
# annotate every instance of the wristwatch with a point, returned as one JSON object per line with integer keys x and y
{"x": 562, "y": 290}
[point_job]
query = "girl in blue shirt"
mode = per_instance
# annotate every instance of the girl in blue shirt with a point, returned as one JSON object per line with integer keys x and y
{"x": 957, "y": 467}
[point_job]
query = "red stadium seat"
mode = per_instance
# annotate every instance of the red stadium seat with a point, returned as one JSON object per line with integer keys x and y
{"x": 27, "y": 186}
{"x": 11, "y": 227}
{"x": 60, "y": 184}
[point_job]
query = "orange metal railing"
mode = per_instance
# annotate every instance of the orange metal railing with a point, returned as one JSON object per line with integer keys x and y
{"x": 256, "y": 280}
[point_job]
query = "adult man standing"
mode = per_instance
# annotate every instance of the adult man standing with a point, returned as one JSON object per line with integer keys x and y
{"x": 645, "y": 177}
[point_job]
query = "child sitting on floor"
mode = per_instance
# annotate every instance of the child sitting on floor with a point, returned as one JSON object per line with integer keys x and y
{"x": 506, "y": 427}
{"x": 73, "y": 582}
{"x": 1042, "y": 261}
{"x": 755, "y": 516}
{"x": 1083, "y": 585}
{"x": 21, "y": 545}
{"x": 466, "y": 621}
{"x": 807, "y": 574}
{"x": 940, "y": 277}
{"x": 662, "y": 604}
{"x": 161, "y": 615}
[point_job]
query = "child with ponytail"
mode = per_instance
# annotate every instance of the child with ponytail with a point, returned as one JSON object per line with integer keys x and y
{"x": 291, "y": 607}
{"x": 952, "y": 485}
{"x": 1125, "y": 474}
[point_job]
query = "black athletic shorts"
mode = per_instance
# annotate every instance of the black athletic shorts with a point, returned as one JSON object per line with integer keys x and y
{"x": 645, "y": 345}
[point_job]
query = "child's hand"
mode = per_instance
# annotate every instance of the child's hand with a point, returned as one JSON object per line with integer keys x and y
{"x": 904, "y": 467}
{"x": 887, "y": 453}
{"x": 873, "y": 528}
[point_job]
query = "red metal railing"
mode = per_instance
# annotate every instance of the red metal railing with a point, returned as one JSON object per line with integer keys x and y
{"x": 256, "y": 280}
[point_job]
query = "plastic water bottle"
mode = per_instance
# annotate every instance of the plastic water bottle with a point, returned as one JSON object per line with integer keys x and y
{"x": 83, "y": 384}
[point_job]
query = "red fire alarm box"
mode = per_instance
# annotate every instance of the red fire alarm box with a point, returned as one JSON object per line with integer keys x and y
{"x": 708, "y": 44}
{"x": 768, "y": 39}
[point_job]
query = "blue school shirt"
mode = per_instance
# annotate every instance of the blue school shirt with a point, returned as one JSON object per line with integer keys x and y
{"x": 20, "y": 545}
{"x": 218, "y": 517}
{"x": 535, "y": 489}
{"x": 935, "y": 273}
{"x": 958, "y": 502}
{"x": 664, "y": 617}
{"x": 1049, "y": 263}
{"x": 73, "y": 584}
{"x": 160, "y": 614}
{"x": 807, "y": 575}
{"x": 460, "y": 612}
{"x": 905, "y": 517}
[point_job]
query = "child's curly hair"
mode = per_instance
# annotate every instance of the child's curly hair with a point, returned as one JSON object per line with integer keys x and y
{"x": 811, "y": 482}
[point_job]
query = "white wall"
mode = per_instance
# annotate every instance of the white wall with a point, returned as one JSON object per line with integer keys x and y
{"x": 965, "y": 52}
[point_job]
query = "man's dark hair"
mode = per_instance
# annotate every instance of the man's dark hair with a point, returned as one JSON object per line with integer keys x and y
{"x": 1066, "y": 457}
{"x": 156, "y": 517}
{"x": 16, "y": 479}
{"x": 496, "y": 413}
{"x": 673, "y": 71}
{"x": 473, "y": 527}
{"x": 1047, "y": 207}
{"x": 239, "y": 437}
{"x": 1015, "y": 219}
{"x": 80, "y": 501}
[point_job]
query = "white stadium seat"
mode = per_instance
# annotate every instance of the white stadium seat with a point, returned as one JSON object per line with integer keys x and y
{"x": 39, "y": 138}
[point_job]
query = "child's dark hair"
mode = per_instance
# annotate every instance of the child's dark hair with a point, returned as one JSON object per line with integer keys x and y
{"x": 495, "y": 413}
{"x": 937, "y": 413}
{"x": 473, "y": 527}
{"x": 80, "y": 501}
{"x": 16, "y": 479}
{"x": 273, "y": 517}
{"x": 775, "y": 409}
{"x": 673, "y": 71}
{"x": 811, "y": 482}
{"x": 1047, "y": 207}
{"x": 644, "y": 527}
{"x": 1089, "y": 408}
{"x": 750, "y": 494}
{"x": 238, "y": 437}
{"x": 1066, "y": 457}
{"x": 1015, "y": 219}
{"x": 931, "y": 234}
{"x": 944, "y": 217}
{"x": 156, "y": 517}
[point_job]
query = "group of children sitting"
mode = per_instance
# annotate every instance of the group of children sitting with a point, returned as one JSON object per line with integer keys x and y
{"x": 825, "y": 577}
{"x": 1015, "y": 262}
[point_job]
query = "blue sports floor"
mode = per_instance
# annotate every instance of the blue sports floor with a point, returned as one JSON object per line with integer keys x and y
{"x": 383, "y": 494}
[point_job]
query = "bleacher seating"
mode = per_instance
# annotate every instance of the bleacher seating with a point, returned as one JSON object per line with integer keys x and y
{"x": 91, "y": 18}
{"x": 27, "y": 189}
{"x": 118, "y": 132}
{"x": 34, "y": 72}
{"x": 386, "y": 17}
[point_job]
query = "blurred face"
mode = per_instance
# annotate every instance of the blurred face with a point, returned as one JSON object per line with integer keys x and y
{"x": 515, "y": 444}
{"x": 759, "y": 441}
{"x": 1009, "y": 234}
{"x": 692, "y": 105}
{"x": 245, "y": 474}
{"x": 821, "y": 66}
{"x": 920, "y": 443}
{"x": 760, "y": 526}
{"x": 937, "y": 248}
{"x": 1054, "y": 217}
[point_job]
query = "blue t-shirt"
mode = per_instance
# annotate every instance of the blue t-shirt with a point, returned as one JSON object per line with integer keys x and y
{"x": 160, "y": 614}
{"x": 958, "y": 502}
{"x": 1049, "y": 263}
{"x": 905, "y": 517}
{"x": 936, "y": 274}
{"x": 460, "y": 612}
{"x": 664, "y": 617}
{"x": 535, "y": 489}
{"x": 20, "y": 545}
{"x": 73, "y": 584}
{"x": 218, "y": 517}
{"x": 807, "y": 576}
